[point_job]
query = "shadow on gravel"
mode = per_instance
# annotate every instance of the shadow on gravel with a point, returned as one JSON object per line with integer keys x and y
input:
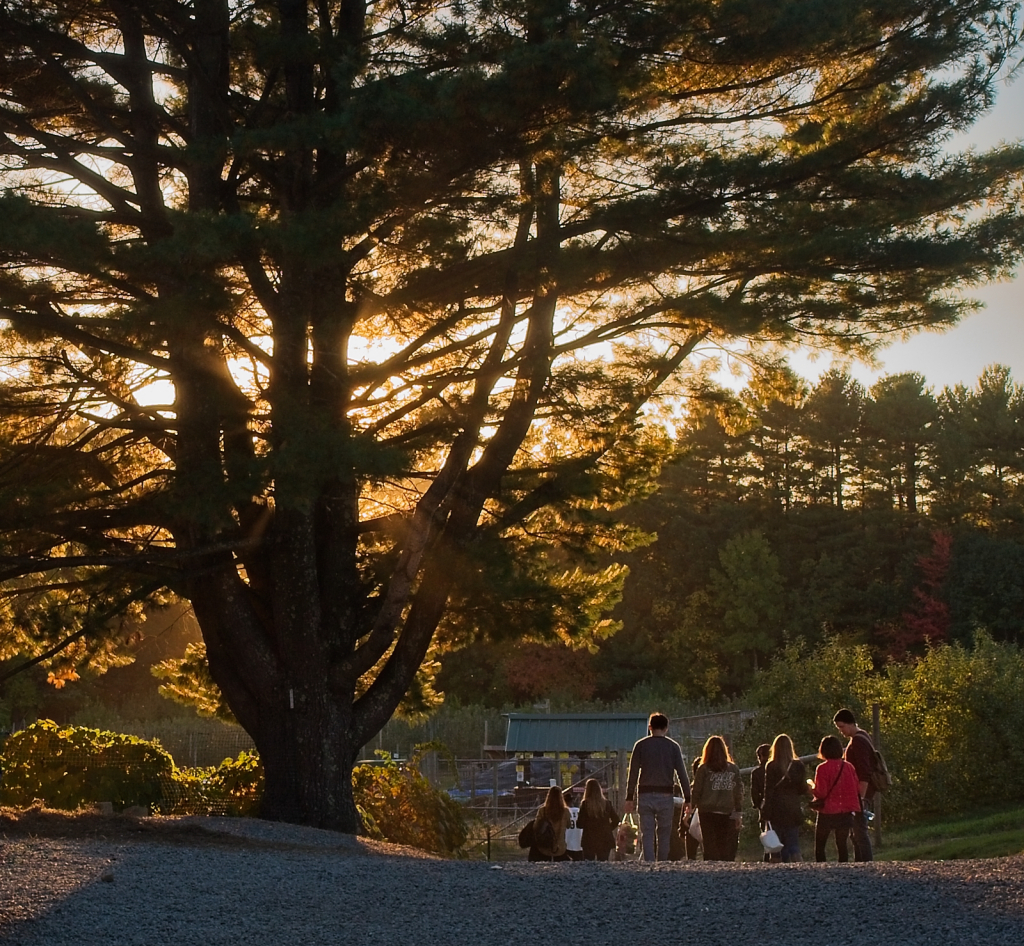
{"x": 211, "y": 895}
{"x": 93, "y": 826}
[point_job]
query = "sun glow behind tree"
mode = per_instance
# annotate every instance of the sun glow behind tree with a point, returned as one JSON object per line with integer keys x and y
{"x": 415, "y": 274}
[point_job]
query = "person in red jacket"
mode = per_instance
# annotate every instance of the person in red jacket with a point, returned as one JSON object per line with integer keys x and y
{"x": 835, "y": 797}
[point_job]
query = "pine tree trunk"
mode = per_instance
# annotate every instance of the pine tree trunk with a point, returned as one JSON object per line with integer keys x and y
{"x": 307, "y": 761}
{"x": 284, "y": 695}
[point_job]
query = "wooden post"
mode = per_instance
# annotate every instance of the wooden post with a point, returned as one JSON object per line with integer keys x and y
{"x": 494, "y": 797}
{"x": 621, "y": 772}
{"x": 876, "y": 736}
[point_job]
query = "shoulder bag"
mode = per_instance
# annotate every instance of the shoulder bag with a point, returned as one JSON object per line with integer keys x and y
{"x": 817, "y": 804}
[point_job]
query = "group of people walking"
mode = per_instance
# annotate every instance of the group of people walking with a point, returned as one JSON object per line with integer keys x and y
{"x": 596, "y": 820}
{"x": 841, "y": 786}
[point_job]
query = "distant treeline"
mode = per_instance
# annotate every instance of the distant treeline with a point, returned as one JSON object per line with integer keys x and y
{"x": 892, "y": 516}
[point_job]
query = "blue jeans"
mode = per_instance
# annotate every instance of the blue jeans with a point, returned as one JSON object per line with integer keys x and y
{"x": 655, "y": 811}
{"x": 790, "y": 838}
{"x": 861, "y": 838}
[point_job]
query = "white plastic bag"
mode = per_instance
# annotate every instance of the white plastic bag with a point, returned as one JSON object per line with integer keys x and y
{"x": 770, "y": 839}
{"x": 695, "y": 831}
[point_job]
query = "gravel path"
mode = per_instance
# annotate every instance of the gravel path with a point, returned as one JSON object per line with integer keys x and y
{"x": 281, "y": 885}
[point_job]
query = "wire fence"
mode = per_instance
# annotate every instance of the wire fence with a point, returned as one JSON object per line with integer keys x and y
{"x": 501, "y": 795}
{"x": 202, "y": 749}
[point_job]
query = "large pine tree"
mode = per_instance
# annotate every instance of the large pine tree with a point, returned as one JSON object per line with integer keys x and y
{"x": 410, "y": 273}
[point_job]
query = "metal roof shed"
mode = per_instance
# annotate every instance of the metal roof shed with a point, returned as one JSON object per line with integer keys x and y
{"x": 574, "y": 732}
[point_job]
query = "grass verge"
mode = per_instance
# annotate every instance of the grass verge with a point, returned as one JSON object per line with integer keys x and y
{"x": 987, "y": 833}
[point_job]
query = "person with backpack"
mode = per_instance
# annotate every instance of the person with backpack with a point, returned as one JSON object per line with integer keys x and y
{"x": 835, "y": 799}
{"x": 860, "y": 753}
{"x": 549, "y": 827}
{"x": 598, "y": 819}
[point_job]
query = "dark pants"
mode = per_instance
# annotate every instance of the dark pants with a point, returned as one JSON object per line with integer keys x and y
{"x": 824, "y": 826}
{"x": 717, "y": 831}
{"x": 861, "y": 840}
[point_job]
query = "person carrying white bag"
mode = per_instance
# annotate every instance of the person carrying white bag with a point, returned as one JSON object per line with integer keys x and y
{"x": 717, "y": 796}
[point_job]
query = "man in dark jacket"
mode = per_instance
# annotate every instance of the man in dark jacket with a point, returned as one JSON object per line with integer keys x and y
{"x": 655, "y": 762}
{"x": 757, "y": 785}
{"x": 860, "y": 753}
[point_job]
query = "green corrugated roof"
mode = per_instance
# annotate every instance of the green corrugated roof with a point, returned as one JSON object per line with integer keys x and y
{"x": 574, "y": 732}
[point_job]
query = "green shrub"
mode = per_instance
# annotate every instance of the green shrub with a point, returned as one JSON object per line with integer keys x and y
{"x": 187, "y": 792}
{"x": 950, "y": 721}
{"x": 71, "y": 767}
{"x": 75, "y": 766}
{"x": 235, "y": 787}
{"x": 952, "y": 727}
{"x": 400, "y": 805}
{"x": 238, "y": 784}
{"x": 800, "y": 692}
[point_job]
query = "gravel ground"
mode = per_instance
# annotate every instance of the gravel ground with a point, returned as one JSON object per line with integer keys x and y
{"x": 220, "y": 881}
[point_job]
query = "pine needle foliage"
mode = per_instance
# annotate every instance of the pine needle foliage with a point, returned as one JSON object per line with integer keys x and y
{"x": 324, "y": 316}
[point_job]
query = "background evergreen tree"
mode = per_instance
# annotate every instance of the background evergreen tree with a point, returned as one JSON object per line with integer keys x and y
{"x": 899, "y": 425}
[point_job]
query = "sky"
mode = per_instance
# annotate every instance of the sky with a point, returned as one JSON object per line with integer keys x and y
{"x": 994, "y": 334}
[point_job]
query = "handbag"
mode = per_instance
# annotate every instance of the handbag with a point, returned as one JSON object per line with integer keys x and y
{"x": 770, "y": 839}
{"x": 816, "y": 804}
{"x": 695, "y": 831}
{"x": 526, "y": 835}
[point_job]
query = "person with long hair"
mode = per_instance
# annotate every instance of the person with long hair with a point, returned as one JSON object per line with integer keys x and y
{"x": 550, "y": 845}
{"x": 784, "y": 786}
{"x": 717, "y": 796}
{"x": 835, "y": 797}
{"x": 598, "y": 819}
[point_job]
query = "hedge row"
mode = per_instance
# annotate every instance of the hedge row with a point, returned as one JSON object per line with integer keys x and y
{"x": 72, "y": 767}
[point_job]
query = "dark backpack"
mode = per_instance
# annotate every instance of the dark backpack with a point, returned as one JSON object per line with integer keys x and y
{"x": 544, "y": 835}
{"x": 881, "y": 780}
{"x": 880, "y": 777}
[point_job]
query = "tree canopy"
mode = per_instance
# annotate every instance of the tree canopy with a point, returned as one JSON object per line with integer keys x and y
{"x": 341, "y": 319}
{"x": 756, "y": 543}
